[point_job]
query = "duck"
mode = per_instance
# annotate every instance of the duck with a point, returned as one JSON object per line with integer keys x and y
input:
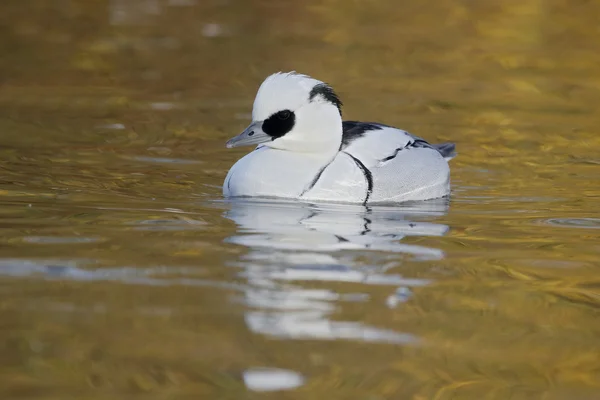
{"x": 306, "y": 151}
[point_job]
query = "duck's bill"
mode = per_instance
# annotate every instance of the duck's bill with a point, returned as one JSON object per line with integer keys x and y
{"x": 252, "y": 135}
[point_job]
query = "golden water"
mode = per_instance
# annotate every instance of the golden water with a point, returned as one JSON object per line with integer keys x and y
{"x": 124, "y": 274}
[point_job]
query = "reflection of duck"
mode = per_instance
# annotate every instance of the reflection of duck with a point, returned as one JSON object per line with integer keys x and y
{"x": 301, "y": 226}
{"x": 292, "y": 242}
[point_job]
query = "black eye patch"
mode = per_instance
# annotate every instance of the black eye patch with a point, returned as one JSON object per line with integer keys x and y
{"x": 279, "y": 123}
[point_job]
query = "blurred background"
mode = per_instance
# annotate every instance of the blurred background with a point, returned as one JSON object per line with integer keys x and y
{"x": 124, "y": 274}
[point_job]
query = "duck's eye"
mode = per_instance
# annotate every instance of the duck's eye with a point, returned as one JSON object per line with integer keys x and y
{"x": 283, "y": 115}
{"x": 279, "y": 123}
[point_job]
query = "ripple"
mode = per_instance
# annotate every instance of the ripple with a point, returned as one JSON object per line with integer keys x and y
{"x": 169, "y": 224}
{"x": 164, "y": 160}
{"x": 115, "y": 126}
{"x": 71, "y": 271}
{"x": 584, "y": 223}
{"x": 60, "y": 240}
{"x": 581, "y": 160}
{"x": 163, "y": 106}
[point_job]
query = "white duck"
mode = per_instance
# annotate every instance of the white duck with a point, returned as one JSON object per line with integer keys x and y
{"x": 305, "y": 151}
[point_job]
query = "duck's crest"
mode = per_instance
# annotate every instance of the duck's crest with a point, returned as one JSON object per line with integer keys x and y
{"x": 314, "y": 87}
{"x": 290, "y": 90}
{"x": 327, "y": 93}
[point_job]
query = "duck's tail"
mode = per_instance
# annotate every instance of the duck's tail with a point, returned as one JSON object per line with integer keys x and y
{"x": 447, "y": 150}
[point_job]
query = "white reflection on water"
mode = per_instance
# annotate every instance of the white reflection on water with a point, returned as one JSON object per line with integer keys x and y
{"x": 57, "y": 270}
{"x": 271, "y": 379}
{"x": 292, "y": 242}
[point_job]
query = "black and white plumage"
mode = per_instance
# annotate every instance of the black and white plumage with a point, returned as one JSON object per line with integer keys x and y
{"x": 305, "y": 151}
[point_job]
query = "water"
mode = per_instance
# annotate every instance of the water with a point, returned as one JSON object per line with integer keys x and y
{"x": 125, "y": 274}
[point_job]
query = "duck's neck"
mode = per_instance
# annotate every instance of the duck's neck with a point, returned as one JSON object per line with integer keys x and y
{"x": 317, "y": 132}
{"x": 316, "y": 146}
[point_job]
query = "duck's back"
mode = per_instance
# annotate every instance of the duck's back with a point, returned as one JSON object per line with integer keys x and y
{"x": 383, "y": 164}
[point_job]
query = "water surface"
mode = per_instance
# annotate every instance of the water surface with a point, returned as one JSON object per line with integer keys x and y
{"x": 125, "y": 274}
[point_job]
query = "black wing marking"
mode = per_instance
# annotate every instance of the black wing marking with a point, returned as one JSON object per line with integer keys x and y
{"x": 447, "y": 150}
{"x": 388, "y": 158}
{"x": 414, "y": 143}
{"x": 352, "y": 130}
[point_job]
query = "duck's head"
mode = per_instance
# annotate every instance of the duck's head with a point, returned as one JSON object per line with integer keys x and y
{"x": 294, "y": 112}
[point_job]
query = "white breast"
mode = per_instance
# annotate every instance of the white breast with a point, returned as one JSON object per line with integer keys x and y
{"x": 272, "y": 173}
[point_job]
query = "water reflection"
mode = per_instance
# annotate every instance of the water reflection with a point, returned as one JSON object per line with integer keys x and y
{"x": 271, "y": 379}
{"x": 83, "y": 270}
{"x": 329, "y": 227}
{"x": 294, "y": 242}
{"x": 581, "y": 223}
